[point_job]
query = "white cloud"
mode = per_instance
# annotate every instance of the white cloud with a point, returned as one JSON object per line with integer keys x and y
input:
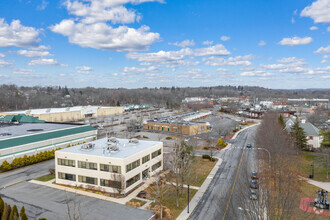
{"x": 231, "y": 61}
{"x": 185, "y": 43}
{"x": 328, "y": 29}
{"x": 324, "y": 61}
{"x": 5, "y": 63}
{"x": 2, "y": 55}
{"x": 34, "y": 53}
{"x": 318, "y": 11}
{"x": 225, "y": 38}
{"x": 296, "y": 41}
{"x": 248, "y": 68}
{"x": 23, "y": 71}
{"x": 325, "y": 77}
{"x": 137, "y": 71}
{"x": 319, "y": 70}
{"x": 194, "y": 74}
{"x": 83, "y": 69}
{"x": 323, "y": 50}
{"x": 15, "y": 34}
{"x": 313, "y": 28}
{"x": 223, "y": 70}
{"x": 290, "y": 69}
{"x": 216, "y": 50}
{"x": 207, "y": 42}
{"x": 47, "y": 62}
{"x": 262, "y": 43}
{"x": 104, "y": 37}
{"x": 43, "y": 5}
{"x": 289, "y": 60}
{"x": 325, "y": 56}
{"x": 256, "y": 73}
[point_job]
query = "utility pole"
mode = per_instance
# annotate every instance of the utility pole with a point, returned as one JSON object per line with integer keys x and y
{"x": 188, "y": 199}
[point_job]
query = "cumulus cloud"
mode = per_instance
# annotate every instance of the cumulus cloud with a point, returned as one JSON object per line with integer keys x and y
{"x": 15, "y": 34}
{"x": 43, "y": 61}
{"x": 90, "y": 28}
{"x": 313, "y": 28}
{"x": 2, "y": 55}
{"x": 185, "y": 43}
{"x": 324, "y": 61}
{"x": 222, "y": 70}
{"x": 318, "y": 11}
{"x": 231, "y": 61}
{"x": 83, "y": 69}
{"x": 207, "y": 42}
{"x": 256, "y": 73}
{"x": 289, "y": 60}
{"x": 323, "y": 50}
{"x": 194, "y": 74}
{"x": 296, "y": 41}
{"x": 225, "y": 38}
{"x": 137, "y": 71}
{"x": 34, "y": 53}
{"x": 5, "y": 63}
{"x": 262, "y": 43}
{"x": 23, "y": 71}
{"x": 105, "y": 37}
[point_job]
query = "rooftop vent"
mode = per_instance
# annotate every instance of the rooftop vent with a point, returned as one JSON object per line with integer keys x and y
{"x": 112, "y": 140}
{"x": 112, "y": 147}
{"x": 133, "y": 141}
{"x": 88, "y": 146}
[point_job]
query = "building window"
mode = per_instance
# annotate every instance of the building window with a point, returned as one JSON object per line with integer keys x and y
{"x": 111, "y": 183}
{"x": 145, "y": 159}
{"x": 67, "y": 176}
{"x": 202, "y": 128}
{"x": 86, "y": 179}
{"x": 87, "y": 165}
{"x": 110, "y": 168}
{"x": 310, "y": 137}
{"x": 65, "y": 162}
{"x": 132, "y": 180}
{"x": 156, "y": 153}
{"x": 152, "y": 128}
{"x": 156, "y": 166}
{"x": 132, "y": 166}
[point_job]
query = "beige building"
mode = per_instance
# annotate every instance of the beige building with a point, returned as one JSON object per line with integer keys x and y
{"x": 185, "y": 128}
{"x": 109, "y": 164}
{"x": 76, "y": 113}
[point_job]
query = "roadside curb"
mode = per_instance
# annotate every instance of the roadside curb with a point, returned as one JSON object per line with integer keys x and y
{"x": 195, "y": 200}
{"x": 237, "y": 133}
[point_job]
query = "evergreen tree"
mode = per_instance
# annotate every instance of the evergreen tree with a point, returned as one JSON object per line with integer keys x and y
{"x": 299, "y": 136}
{"x": 2, "y": 206}
{"x": 22, "y": 211}
{"x": 326, "y": 138}
{"x": 6, "y": 166}
{"x": 24, "y": 217}
{"x": 5, "y": 213}
{"x": 281, "y": 121}
{"x": 14, "y": 213}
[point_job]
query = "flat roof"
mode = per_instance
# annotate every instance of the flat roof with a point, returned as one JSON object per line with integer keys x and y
{"x": 12, "y": 130}
{"x": 126, "y": 149}
{"x": 42, "y": 136}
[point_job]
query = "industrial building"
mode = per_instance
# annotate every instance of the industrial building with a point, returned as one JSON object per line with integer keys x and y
{"x": 76, "y": 113}
{"x": 180, "y": 124}
{"x": 109, "y": 164}
{"x": 19, "y": 139}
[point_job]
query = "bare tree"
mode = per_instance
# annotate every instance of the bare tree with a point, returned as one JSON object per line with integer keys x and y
{"x": 158, "y": 191}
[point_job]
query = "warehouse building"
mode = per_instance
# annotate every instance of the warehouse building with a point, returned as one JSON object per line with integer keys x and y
{"x": 180, "y": 124}
{"x": 76, "y": 113}
{"x": 17, "y": 140}
{"x": 112, "y": 165}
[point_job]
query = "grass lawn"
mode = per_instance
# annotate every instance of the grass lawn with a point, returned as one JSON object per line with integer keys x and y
{"x": 320, "y": 167}
{"x": 200, "y": 169}
{"x": 170, "y": 199}
{"x": 136, "y": 203}
{"x": 46, "y": 178}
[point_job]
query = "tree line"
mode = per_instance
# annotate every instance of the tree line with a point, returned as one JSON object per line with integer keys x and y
{"x": 9, "y": 213}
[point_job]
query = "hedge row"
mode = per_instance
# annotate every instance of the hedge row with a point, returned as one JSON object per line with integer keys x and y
{"x": 28, "y": 160}
{"x": 8, "y": 213}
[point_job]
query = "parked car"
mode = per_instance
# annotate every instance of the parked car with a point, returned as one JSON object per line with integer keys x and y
{"x": 254, "y": 175}
{"x": 254, "y": 184}
{"x": 253, "y": 195}
{"x": 249, "y": 145}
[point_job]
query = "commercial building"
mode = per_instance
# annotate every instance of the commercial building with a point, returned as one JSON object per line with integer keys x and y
{"x": 109, "y": 164}
{"x": 17, "y": 140}
{"x": 180, "y": 123}
{"x": 76, "y": 113}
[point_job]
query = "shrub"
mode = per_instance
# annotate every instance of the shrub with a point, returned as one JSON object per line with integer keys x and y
{"x": 221, "y": 143}
{"x": 168, "y": 138}
{"x": 205, "y": 156}
{"x": 6, "y": 166}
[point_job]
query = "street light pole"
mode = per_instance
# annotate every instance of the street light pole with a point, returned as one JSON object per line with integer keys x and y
{"x": 188, "y": 199}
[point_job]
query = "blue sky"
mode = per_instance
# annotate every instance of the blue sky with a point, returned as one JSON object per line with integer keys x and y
{"x": 153, "y": 43}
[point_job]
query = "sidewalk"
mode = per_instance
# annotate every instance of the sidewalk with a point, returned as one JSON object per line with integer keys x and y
{"x": 194, "y": 201}
{"x": 323, "y": 185}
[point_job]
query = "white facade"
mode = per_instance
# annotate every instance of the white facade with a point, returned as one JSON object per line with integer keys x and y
{"x": 108, "y": 168}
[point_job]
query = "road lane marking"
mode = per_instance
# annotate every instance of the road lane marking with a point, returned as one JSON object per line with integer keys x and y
{"x": 233, "y": 187}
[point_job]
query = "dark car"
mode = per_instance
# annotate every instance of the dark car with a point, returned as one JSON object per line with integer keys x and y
{"x": 253, "y": 195}
{"x": 254, "y": 184}
{"x": 249, "y": 145}
{"x": 254, "y": 175}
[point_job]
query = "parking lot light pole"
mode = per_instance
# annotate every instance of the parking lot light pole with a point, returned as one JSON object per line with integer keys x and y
{"x": 188, "y": 200}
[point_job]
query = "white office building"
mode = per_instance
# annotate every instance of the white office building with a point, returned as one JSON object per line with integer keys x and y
{"x": 109, "y": 164}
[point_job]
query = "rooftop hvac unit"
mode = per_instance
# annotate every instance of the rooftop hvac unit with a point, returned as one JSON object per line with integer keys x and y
{"x": 133, "y": 141}
{"x": 112, "y": 147}
{"x": 88, "y": 146}
{"x": 112, "y": 140}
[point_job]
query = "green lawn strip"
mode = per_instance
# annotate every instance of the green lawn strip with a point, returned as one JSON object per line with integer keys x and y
{"x": 200, "y": 169}
{"x": 46, "y": 178}
{"x": 320, "y": 167}
{"x": 170, "y": 200}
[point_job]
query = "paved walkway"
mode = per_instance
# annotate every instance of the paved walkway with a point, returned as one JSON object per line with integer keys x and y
{"x": 323, "y": 185}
